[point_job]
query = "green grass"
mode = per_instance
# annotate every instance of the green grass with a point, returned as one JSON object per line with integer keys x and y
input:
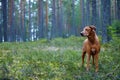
{"x": 59, "y": 59}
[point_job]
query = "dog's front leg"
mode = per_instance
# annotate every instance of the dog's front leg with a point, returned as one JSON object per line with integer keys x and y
{"x": 88, "y": 61}
{"x": 83, "y": 56}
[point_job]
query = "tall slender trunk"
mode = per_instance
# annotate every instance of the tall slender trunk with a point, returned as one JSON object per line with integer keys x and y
{"x": 30, "y": 34}
{"x": 94, "y": 13}
{"x": 95, "y": 17}
{"x": 118, "y": 9}
{"x": 88, "y": 12}
{"x": 58, "y": 18}
{"x": 54, "y": 24}
{"x": 113, "y": 10}
{"x": 40, "y": 19}
{"x": 60, "y": 29}
{"x": 11, "y": 26}
{"x": 82, "y": 14}
{"x": 106, "y": 20}
{"x": 98, "y": 17}
{"x": 1, "y": 35}
{"x": 73, "y": 27}
{"x": 4, "y": 9}
{"x": 22, "y": 20}
{"x": 46, "y": 28}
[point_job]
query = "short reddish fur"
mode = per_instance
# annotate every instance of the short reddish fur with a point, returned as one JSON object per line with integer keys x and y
{"x": 91, "y": 46}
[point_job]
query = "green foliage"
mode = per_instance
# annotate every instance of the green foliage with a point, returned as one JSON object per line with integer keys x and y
{"x": 114, "y": 29}
{"x": 59, "y": 59}
{"x": 110, "y": 58}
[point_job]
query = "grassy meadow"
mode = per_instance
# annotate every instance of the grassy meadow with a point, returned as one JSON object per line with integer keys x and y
{"x": 58, "y": 59}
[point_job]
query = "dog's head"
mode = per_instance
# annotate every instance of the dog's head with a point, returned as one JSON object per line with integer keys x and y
{"x": 88, "y": 30}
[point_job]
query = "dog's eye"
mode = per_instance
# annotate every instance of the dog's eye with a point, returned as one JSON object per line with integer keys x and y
{"x": 86, "y": 29}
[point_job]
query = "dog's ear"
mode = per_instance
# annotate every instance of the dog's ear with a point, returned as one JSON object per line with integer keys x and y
{"x": 92, "y": 27}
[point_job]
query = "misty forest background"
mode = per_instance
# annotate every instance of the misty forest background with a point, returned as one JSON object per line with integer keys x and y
{"x": 29, "y": 20}
{"x": 40, "y": 39}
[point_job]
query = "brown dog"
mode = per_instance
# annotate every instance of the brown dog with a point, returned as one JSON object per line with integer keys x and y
{"x": 91, "y": 46}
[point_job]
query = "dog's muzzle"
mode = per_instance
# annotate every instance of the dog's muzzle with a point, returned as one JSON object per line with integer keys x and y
{"x": 81, "y": 34}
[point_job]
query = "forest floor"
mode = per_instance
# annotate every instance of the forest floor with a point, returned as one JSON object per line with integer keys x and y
{"x": 58, "y": 59}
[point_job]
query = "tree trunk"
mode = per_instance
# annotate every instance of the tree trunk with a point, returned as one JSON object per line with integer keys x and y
{"x": 106, "y": 19}
{"x": 82, "y": 7}
{"x": 58, "y": 18}
{"x": 0, "y": 33}
{"x": 94, "y": 13}
{"x": 46, "y": 28}
{"x": 22, "y": 20}
{"x": 11, "y": 26}
{"x": 40, "y": 19}
{"x": 73, "y": 27}
{"x": 30, "y": 33}
{"x": 4, "y": 8}
{"x": 118, "y": 9}
{"x": 60, "y": 28}
{"x": 1, "y": 28}
{"x": 113, "y": 10}
{"x": 98, "y": 17}
{"x": 88, "y": 12}
{"x": 95, "y": 17}
{"x": 54, "y": 24}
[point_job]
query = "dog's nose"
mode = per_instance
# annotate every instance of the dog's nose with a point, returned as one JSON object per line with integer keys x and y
{"x": 81, "y": 34}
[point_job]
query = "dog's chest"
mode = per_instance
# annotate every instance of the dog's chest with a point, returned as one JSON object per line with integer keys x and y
{"x": 93, "y": 48}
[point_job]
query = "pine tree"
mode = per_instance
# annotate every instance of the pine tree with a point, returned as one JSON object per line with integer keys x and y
{"x": 4, "y": 8}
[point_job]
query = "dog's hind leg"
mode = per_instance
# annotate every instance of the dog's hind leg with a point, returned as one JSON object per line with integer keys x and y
{"x": 93, "y": 62}
{"x": 96, "y": 62}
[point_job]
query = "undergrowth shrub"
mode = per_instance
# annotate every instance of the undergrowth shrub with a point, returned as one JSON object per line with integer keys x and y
{"x": 59, "y": 59}
{"x": 114, "y": 29}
